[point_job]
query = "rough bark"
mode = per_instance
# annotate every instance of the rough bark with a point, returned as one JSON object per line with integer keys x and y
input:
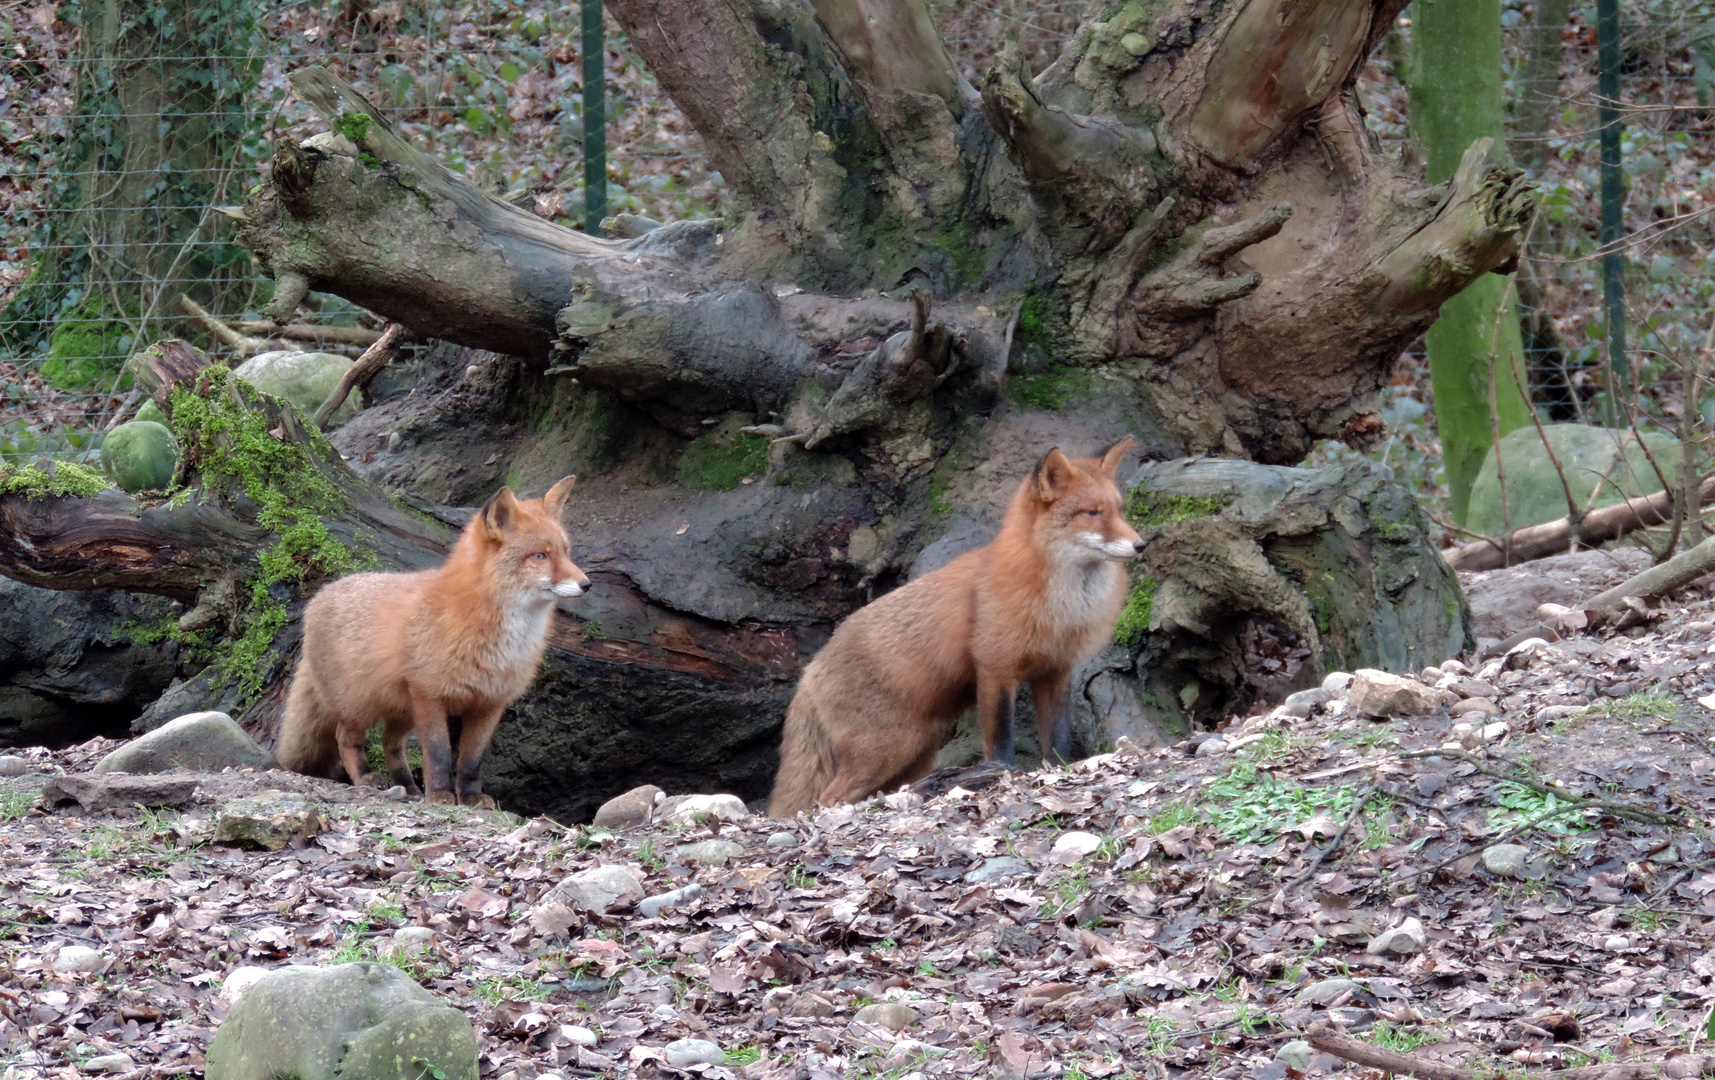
{"x": 1202, "y": 215}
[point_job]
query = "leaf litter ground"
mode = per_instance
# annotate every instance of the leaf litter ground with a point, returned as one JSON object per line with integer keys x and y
{"x": 1151, "y": 912}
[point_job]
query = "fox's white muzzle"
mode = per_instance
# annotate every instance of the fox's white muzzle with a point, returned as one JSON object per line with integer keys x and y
{"x": 565, "y": 590}
{"x": 1110, "y": 549}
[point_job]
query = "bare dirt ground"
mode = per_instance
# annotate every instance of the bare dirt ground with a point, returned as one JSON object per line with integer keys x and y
{"x": 1173, "y": 912}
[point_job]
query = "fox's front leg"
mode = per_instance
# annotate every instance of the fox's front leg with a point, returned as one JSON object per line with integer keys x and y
{"x": 477, "y": 730}
{"x": 994, "y": 712}
{"x": 1053, "y": 697}
{"x": 430, "y": 720}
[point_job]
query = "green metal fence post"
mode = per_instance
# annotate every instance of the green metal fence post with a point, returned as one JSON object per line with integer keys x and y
{"x": 595, "y": 119}
{"x": 1613, "y": 205}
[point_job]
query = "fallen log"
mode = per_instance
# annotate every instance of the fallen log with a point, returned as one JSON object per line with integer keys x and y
{"x": 1554, "y": 537}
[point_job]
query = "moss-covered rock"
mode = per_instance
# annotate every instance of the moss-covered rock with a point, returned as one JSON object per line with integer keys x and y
{"x": 151, "y": 411}
{"x": 303, "y": 378}
{"x": 1592, "y": 457}
{"x": 140, "y": 456}
{"x": 86, "y": 350}
{"x": 362, "y": 1021}
{"x": 1261, "y": 579}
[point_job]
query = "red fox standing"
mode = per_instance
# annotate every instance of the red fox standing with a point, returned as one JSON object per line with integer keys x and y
{"x": 875, "y": 704}
{"x": 409, "y": 649}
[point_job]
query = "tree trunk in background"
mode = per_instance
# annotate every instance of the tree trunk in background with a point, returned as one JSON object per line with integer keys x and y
{"x": 1539, "y": 84}
{"x": 1475, "y": 347}
{"x": 165, "y": 103}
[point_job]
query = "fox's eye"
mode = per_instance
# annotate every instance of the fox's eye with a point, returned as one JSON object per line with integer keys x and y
{"x": 543, "y": 555}
{"x": 1091, "y": 513}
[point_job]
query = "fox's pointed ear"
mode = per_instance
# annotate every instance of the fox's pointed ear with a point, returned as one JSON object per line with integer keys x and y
{"x": 555, "y": 500}
{"x": 1112, "y": 456}
{"x": 500, "y": 516}
{"x": 1053, "y": 475}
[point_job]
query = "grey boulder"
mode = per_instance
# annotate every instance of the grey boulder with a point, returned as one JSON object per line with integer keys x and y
{"x": 362, "y": 1021}
{"x": 195, "y": 742}
{"x": 306, "y": 379}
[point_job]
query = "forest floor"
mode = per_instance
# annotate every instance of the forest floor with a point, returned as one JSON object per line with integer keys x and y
{"x": 1191, "y": 909}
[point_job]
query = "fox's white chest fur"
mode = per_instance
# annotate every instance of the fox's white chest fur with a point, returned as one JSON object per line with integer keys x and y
{"x": 1081, "y": 590}
{"x": 523, "y": 626}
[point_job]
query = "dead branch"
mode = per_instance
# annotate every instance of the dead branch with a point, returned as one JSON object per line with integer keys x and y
{"x": 226, "y": 335}
{"x": 374, "y": 358}
{"x": 1554, "y": 537}
{"x": 338, "y": 335}
{"x": 1659, "y": 581}
{"x": 1323, "y": 1036}
{"x": 1322, "y": 856}
{"x": 1525, "y": 776}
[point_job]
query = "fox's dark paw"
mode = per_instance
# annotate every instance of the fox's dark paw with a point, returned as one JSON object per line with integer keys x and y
{"x": 480, "y": 802}
{"x": 445, "y": 798}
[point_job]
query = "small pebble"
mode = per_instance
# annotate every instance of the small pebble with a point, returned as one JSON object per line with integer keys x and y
{"x": 1506, "y": 860}
{"x": 783, "y": 839}
{"x": 13, "y": 765}
{"x": 1211, "y": 747}
{"x": 683, "y": 1052}
{"x": 1294, "y": 1055}
{"x": 410, "y": 939}
{"x": 1337, "y": 682}
{"x": 654, "y": 905}
{"x": 577, "y": 1036}
{"x": 1076, "y": 844}
{"x": 110, "y": 1063}
{"x": 708, "y": 852}
{"x": 78, "y": 958}
{"x": 1616, "y": 943}
{"x": 888, "y": 1014}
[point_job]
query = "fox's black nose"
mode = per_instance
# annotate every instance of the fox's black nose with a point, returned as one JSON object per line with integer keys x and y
{"x": 1137, "y": 545}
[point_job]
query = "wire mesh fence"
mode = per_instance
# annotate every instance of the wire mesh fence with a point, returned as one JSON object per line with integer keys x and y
{"x": 125, "y": 128}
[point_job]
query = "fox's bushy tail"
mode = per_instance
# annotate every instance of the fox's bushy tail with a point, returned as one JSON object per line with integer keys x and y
{"x": 807, "y": 764}
{"x": 308, "y": 741}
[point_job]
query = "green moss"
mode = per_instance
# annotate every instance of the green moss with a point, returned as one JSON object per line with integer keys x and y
{"x": 967, "y": 259}
{"x": 1050, "y": 390}
{"x": 1032, "y": 319}
{"x": 67, "y": 479}
{"x": 1144, "y": 507}
{"x": 1134, "y": 617}
{"x": 86, "y": 351}
{"x": 355, "y": 126}
{"x": 714, "y": 463}
{"x": 165, "y": 628}
{"x": 222, "y": 432}
{"x": 938, "y": 492}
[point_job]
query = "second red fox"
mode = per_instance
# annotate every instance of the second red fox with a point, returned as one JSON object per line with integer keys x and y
{"x": 874, "y": 706}
{"x": 407, "y": 650}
